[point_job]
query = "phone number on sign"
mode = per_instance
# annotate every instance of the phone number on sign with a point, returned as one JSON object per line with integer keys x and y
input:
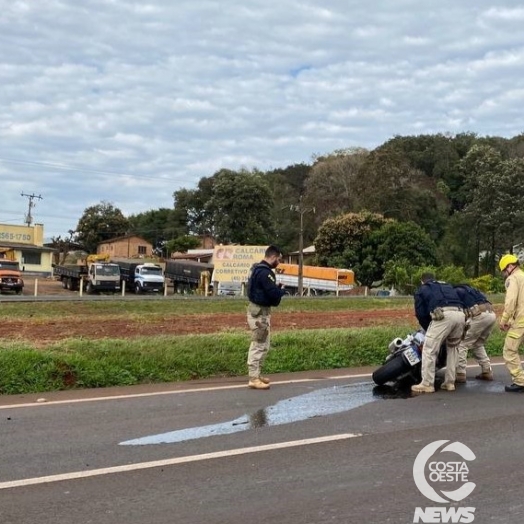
{"x": 14, "y": 236}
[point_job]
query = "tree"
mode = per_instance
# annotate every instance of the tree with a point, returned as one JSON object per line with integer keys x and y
{"x": 156, "y": 225}
{"x": 343, "y": 242}
{"x": 98, "y": 223}
{"x": 403, "y": 240}
{"x": 241, "y": 208}
{"x": 288, "y": 188}
{"x": 495, "y": 201}
{"x": 330, "y": 186}
{"x": 62, "y": 245}
{"x": 182, "y": 244}
{"x": 190, "y": 207}
{"x": 389, "y": 185}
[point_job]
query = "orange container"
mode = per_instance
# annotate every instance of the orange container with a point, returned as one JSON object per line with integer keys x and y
{"x": 345, "y": 277}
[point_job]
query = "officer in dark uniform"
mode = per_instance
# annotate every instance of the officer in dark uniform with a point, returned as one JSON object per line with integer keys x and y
{"x": 481, "y": 321}
{"x": 263, "y": 293}
{"x": 439, "y": 311}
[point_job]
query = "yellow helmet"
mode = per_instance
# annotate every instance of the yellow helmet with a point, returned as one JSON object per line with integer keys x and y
{"x": 506, "y": 260}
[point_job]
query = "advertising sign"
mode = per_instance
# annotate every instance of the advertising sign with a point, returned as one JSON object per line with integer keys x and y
{"x": 232, "y": 263}
{"x": 16, "y": 234}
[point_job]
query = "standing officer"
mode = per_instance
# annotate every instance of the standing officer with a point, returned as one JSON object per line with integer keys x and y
{"x": 512, "y": 320}
{"x": 439, "y": 311}
{"x": 481, "y": 321}
{"x": 263, "y": 293}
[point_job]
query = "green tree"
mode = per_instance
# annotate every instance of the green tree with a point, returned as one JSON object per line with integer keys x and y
{"x": 191, "y": 213}
{"x": 182, "y": 244}
{"x": 343, "y": 242}
{"x": 403, "y": 240}
{"x": 98, "y": 223}
{"x": 389, "y": 185}
{"x": 241, "y": 208}
{"x": 495, "y": 201}
{"x": 330, "y": 185}
{"x": 287, "y": 187}
{"x": 156, "y": 225}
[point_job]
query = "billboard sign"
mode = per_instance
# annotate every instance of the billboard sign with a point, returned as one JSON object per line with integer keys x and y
{"x": 232, "y": 263}
{"x": 17, "y": 234}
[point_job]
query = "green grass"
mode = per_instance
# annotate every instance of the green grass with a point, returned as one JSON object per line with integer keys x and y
{"x": 79, "y": 363}
{"x": 115, "y": 307}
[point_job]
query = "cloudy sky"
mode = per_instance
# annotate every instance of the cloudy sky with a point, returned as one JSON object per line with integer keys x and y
{"x": 127, "y": 101}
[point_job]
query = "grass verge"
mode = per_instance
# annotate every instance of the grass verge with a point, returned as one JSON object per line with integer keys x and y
{"x": 76, "y": 363}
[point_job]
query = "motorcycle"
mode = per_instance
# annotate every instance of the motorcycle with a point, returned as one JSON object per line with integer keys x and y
{"x": 404, "y": 361}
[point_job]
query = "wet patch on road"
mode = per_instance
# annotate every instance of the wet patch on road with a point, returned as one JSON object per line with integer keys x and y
{"x": 318, "y": 403}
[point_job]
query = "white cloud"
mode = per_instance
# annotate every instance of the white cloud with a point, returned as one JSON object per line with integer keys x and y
{"x": 167, "y": 92}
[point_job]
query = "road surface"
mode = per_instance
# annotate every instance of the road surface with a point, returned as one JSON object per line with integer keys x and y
{"x": 317, "y": 448}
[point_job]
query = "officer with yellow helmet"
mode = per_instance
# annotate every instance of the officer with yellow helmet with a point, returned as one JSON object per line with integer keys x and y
{"x": 512, "y": 320}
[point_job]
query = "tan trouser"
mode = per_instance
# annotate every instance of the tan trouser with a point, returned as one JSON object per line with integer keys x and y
{"x": 511, "y": 354}
{"x": 449, "y": 330}
{"x": 480, "y": 328}
{"x": 259, "y": 321}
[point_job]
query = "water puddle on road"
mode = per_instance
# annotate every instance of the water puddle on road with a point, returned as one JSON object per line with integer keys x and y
{"x": 317, "y": 403}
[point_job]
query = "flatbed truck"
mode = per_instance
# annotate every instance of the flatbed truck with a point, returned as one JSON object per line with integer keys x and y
{"x": 93, "y": 276}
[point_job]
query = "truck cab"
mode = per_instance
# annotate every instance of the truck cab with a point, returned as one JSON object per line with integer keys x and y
{"x": 103, "y": 276}
{"x": 10, "y": 276}
{"x": 149, "y": 277}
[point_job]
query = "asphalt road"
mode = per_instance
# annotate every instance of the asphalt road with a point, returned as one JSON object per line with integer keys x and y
{"x": 316, "y": 448}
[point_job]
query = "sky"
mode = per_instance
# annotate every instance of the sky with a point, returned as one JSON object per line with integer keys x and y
{"x": 127, "y": 101}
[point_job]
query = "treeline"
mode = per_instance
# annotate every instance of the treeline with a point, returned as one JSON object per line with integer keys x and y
{"x": 445, "y": 200}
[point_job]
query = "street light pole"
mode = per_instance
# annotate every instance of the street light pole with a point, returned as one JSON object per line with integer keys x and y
{"x": 301, "y": 255}
{"x": 301, "y": 210}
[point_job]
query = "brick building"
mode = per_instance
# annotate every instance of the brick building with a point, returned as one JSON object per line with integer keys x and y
{"x": 129, "y": 246}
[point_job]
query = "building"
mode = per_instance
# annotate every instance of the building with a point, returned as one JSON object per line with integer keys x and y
{"x": 129, "y": 246}
{"x": 198, "y": 255}
{"x": 308, "y": 254}
{"x": 25, "y": 244}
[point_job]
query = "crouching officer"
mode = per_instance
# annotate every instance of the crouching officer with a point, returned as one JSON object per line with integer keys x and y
{"x": 480, "y": 324}
{"x": 439, "y": 311}
{"x": 263, "y": 293}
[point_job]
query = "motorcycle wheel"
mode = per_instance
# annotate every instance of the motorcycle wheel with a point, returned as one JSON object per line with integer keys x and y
{"x": 391, "y": 370}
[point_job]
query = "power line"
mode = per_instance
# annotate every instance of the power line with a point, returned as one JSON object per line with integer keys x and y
{"x": 66, "y": 167}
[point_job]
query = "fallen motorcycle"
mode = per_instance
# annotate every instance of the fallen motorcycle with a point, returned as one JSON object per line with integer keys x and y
{"x": 404, "y": 361}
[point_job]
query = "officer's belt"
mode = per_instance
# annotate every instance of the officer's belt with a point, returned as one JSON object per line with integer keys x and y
{"x": 451, "y": 308}
{"x": 482, "y": 308}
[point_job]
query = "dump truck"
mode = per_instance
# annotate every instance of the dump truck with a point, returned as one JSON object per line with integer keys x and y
{"x": 96, "y": 274}
{"x": 140, "y": 276}
{"x": 316, "y": 280}
{"x": 188, "y": 276}
{"x": 10, "y": 276}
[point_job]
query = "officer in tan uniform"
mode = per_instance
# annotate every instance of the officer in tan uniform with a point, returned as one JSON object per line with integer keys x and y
{"x": 512, "y": 320}
{"x": 439, "y": 311}
{"x": 480, "y": 324}
{"x": 263, "y": 293}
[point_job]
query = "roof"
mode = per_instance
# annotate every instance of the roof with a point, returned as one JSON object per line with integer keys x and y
{"x": 306, "y": 251}
{"x": 125, "y": 237}
{"x": 192, "y": 256}
{"x": 34, "y": 247}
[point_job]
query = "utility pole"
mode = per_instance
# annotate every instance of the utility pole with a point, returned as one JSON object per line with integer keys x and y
{"x": 301, "y": 210}
{"x": 29, "y": 218}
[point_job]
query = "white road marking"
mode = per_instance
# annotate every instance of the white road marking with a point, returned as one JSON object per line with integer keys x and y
{"x": 173, "y": 461}
{"x": 194, "y": 390}
{"x": 173, "y": 392}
